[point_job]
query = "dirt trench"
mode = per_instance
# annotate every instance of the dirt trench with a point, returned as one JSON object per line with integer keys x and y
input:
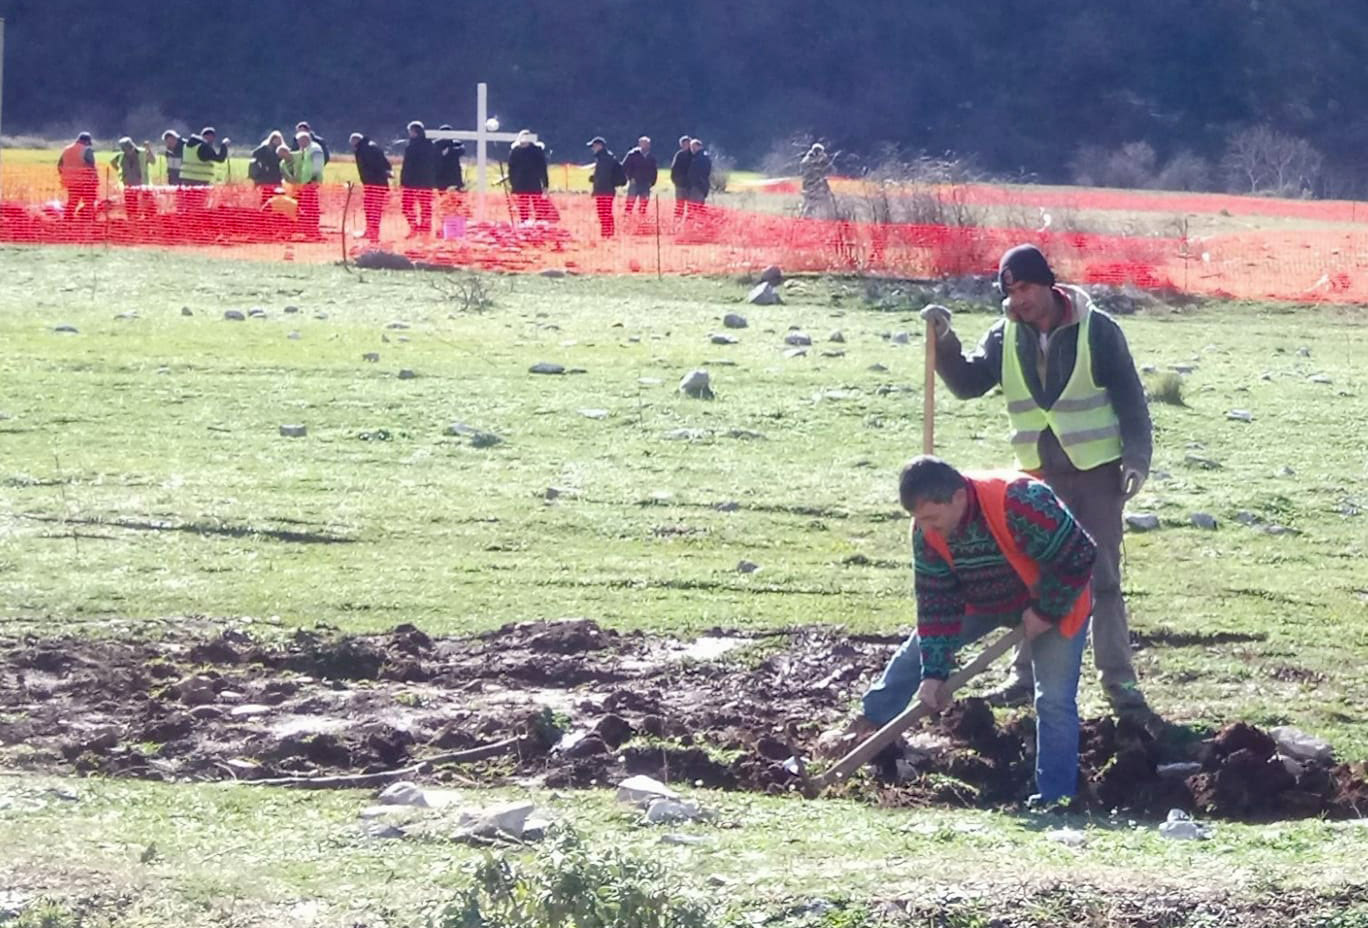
{"x": 588, "y": 706}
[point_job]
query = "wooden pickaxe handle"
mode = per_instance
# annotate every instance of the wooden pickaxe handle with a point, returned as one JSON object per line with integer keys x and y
{"x": 929, "y": 393}
{"x": 865, "y": 751}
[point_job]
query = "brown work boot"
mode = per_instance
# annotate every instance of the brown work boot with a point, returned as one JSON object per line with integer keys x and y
{"x": 1016, "y": 692}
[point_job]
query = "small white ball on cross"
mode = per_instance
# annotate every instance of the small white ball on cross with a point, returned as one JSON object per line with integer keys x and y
{"x": 492, "y": 124}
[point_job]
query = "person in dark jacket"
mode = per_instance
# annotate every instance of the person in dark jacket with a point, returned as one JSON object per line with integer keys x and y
{"x": 417, "y": 178}
{"x": 527, "y": 176}
{"x": 318, "y": 140}
{"x": 642, "y": 172}
{"x": 172, "y": 154}
{"x": 606, "y": 178}
{"x": 134, "y": 167}
{"x": 265, "y": 166}
{"x": 700, "y": 178}
{"x": 449, "y": 152}
{"x": 375, "y": 171}
{"x": 679, "y": 175}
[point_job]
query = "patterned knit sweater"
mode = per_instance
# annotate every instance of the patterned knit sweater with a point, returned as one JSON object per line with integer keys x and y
{"x": 982, "y": 582}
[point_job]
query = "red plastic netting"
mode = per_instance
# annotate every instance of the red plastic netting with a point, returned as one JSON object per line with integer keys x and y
{"x": 1314, "y": 251}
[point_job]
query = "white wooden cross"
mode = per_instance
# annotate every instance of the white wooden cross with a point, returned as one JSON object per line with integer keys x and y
{"x": 486, "y": 131}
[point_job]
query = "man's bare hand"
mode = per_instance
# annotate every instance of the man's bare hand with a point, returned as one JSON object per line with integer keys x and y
{"x": 837, "y": 742}
{"x": 932, "y": 694}
{"x": 1035, "y": 625}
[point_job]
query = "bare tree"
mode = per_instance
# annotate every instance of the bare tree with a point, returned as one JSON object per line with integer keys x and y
{"x": 1264, "y": 160}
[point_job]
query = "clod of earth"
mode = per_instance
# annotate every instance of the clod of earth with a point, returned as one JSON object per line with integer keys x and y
{"x": 319, "y": 706}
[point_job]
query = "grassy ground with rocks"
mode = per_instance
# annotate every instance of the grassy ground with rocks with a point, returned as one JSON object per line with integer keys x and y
{"x": 148, "y": 491}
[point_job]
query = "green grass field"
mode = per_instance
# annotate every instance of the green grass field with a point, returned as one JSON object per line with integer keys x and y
{"x": 145, "y": 487}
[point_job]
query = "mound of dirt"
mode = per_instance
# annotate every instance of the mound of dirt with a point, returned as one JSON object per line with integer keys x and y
{"x": 570, "y": 703}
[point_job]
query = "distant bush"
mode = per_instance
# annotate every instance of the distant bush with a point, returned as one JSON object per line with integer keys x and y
{"x": 1166, "y": 388}
{"x": 1185, "y": 171}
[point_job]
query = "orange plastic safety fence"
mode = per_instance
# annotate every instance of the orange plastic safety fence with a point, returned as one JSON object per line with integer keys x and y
{"x": 578, "y": 233}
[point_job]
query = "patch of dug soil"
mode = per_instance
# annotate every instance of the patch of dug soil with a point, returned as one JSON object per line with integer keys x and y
{"x": 574, "y": 704}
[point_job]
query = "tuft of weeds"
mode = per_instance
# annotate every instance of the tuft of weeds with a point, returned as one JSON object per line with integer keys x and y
{"x": 1166, "y": 388}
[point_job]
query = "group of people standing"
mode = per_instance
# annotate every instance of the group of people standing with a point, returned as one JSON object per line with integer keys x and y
{"x": 288, "y": 172}
{"x": 690, "y": 173}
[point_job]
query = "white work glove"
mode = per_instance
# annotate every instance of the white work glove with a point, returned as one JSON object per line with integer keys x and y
{"x": 1132, "y": 479}
{"x": 939, "y": 317}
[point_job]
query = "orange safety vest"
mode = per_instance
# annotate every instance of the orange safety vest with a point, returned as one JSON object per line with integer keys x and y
{"x": 992, "y": 499}
{"x": 72, "y": 167}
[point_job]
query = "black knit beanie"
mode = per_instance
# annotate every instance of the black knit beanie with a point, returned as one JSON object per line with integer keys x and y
{"x": 1024, "y": 263}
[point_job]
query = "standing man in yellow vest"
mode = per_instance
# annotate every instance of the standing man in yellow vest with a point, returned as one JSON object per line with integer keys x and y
{"x": 199, "y": 167}
{"x": 1079, "y": 421}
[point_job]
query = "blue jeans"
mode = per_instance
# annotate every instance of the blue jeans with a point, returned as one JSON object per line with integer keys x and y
{"x": 1055, "y": 663}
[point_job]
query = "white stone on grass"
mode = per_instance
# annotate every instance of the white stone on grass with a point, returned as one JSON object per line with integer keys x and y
{"x": 293, "y": 431}
{"x": 1142, "y": 521}
{"x": 797, "y": 337}
{"x": 233, "y": 315}
{"x": 734, "y": 321}
{"x": 546, "y": 367}
{"x": 697, "y": 384}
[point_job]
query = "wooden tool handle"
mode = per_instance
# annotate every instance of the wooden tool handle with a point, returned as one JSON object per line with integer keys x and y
{"x": 876, "y": 742}
{"x": 929, "y": 393}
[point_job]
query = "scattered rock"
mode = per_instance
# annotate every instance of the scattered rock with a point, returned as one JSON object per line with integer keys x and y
{"x": 641, "y": 790}
{"x": 833, "y": 353}
{"x": 233, "y": 315}
{"x": 763, "y": 294}
{"x": 293, "y": 336}
{"x": 1204, "y": 520}
{"x": 1205, "y": 463}
{"x": 1286, "y": 471}
{"x": 406, "y": 374}
{"x": 378, "y": 260}
{"x": 1183, "y": 368}
{"x": 256, "y": 312}
{"x": 594, "y": 413}
{"x": 1304, "y": 352}
{"x": 877, "y": 369}
{"x": 554, "y": 273}
{"x": 697, "y": 384}
{"x": 546, "y": 367}
{"x": 248, "y": 711}
{"x": 772, "y": 275}
{"x": 1240, "y": 415}
{"x": 746, "y": 434}
{"x": 717, "y": 338}
{"x": 186, "y": 311}
{"x": 795, "y": 353}
{"x": 1245, "y": 517}
{"x": 730, "y": 505}
{"x": 127, "y": 317}
{"x": 746, "y": 567}
{"x": 1319, "y": 378}
{"x": 293, "y": 431}
{"x": 479, "y": 438}
{"x": 195, "y": 691}
{"x": 836, "y": 336}
{"x": 291, "y": 310}
{"x": 1293, "y": 742}
{"x": 1142, "y": 521}
{"x": 371, "y": 356}
{"x": 1278, "y": 530}
{"x": 1181, "y": 827}
{"x": 663, "y": 811}
{"x": 734, "y": 321}
{"x": 687, "y": 435}
{"x": 797, "y": 337}
{"x": 1069, "y": 837}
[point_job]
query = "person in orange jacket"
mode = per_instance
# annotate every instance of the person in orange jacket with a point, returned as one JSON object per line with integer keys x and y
{"x": 76, "y": 168}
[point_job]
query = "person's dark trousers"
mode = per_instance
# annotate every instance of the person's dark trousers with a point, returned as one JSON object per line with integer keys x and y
{"x": 137, "y": 203}
{"x": 308, "y": 207}
{"x": 525, "y": 204}
{"x": 373, "y": 198}
{"x": 416, "y": 204}
{"x": 681, "y": 200}
{"x": 603, "y": 204}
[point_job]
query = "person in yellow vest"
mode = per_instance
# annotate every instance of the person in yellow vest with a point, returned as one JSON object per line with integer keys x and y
{"x": 76, "y": 169}
{"x": 134, "y": 167}
{"x": 989, "y": 551}
{"x": 199, "y": 166}
{"x": 1079, "y": 421}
